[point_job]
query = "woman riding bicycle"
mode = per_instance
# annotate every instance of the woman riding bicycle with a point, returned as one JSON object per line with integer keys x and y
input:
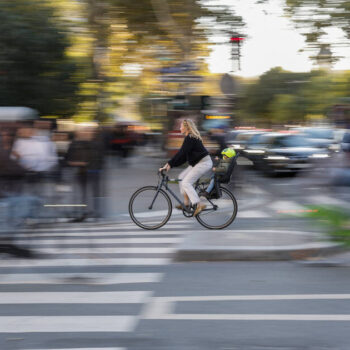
{"x": 197, "y": 156}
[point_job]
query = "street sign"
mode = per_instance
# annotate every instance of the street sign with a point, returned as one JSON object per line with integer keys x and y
{"x": 179, "y": 68}
{"x": 180, "y": 78}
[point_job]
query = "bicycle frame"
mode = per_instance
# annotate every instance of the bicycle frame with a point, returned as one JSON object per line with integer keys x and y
{"x": 164, "y": 183}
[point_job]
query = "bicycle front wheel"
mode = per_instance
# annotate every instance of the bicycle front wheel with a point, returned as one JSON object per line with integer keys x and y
{"x": 219, "y": 213}
{"x": 150, "y": 209}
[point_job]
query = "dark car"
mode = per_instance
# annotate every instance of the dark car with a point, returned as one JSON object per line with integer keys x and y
{"x": 320, "y": 137}
{"x": 239, "y": 138}
{"x": 290, "y": 153}
{"x": 255, "y": 147}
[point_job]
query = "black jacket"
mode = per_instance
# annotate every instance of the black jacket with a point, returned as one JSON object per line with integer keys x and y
{"x": 191, "y": 151}
{"x": 89, "y": 152}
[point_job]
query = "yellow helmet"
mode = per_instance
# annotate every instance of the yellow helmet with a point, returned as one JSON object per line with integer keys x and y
{"x": 228, "y": 152}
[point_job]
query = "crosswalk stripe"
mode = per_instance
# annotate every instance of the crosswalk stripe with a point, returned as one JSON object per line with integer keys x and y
{"x": 69, "y": 324}
{"x": 324, "y": 199}
{"x": 152, "y": 214}
{"x": 84, "y": 349}
{"x": 80, "y": 278}
{"x": 43, "y": 242}
{"x": 96, "y": 234}
{"x": 253, "y": 317}
{"x": 97, "y": 228}
{"x": 285, "y": 206}
{"x": 252, "y": 214}
{"x": 106, "y": 250}
{"x": 86, "y": 262}
{"x": 129, "y": 297}
{"x": 128, "y": 246}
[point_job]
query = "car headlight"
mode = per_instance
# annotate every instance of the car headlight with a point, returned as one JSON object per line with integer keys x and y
{"x": 319, "y": 155}
{"x": 237, "y": 146}
{"x": 276, "y": 158}
{"x": 334, "y": 147}
{"x": 254, "y": 151}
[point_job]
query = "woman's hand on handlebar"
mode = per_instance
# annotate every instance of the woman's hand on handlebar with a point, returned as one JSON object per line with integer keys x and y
{"x": 166, "y": 167}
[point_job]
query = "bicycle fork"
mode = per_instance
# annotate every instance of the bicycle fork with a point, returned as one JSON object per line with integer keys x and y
{"x": 160, "y": 185}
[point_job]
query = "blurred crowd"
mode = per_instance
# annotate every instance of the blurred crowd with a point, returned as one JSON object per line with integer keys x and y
{"x": 42, "y": 168}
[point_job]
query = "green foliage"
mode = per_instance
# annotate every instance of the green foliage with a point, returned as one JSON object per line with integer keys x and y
{"x": 281, "y": 96}
{"x": 314, "y": 18}
{"x": 264, "y": 96}
{"x": 337, "y": 221}
{"x": 34, "y": 70}
{"x": 282, "y": 108}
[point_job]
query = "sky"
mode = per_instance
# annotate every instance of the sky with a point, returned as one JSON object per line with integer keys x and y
{"x": 272, "y": 41}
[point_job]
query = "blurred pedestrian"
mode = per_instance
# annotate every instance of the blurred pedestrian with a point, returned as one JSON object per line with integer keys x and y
{"x": 85, "y": 154}
{"x": 219, "y": 137}
{"x": 36, "y": 153}
{"x": 197, "y": 156}
{"x": 15, "y": 208}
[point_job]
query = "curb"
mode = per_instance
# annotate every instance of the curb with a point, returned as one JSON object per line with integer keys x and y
{"x": 263, "y": 253}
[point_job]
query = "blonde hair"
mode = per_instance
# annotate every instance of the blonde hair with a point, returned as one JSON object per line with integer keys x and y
{"x": 192, "y": 129}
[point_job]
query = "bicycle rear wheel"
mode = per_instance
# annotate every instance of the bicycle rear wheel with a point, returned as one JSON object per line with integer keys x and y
{"x": 220, "y": 212}
{"x": 148, "y": 209}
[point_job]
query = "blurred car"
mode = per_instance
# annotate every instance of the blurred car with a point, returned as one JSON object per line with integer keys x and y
{"x": 345, "y": 142}
{"x": 238, "y": 139}
{"x": 321, "y": 137}
{"x": 254, "y": 147}
{"x": 291, "y": 153}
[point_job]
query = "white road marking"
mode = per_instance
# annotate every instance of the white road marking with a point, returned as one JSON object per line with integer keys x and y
{"x": 161, "y": 308}
{"x": 128, "y": 297}
{"x": 69, "y": 324}
{"x": 115, "y": 250}
{"x": 86, "y": 262}
{"x": 44, "y": 242}
{"x": 324, "y": 199}
{"x": 80, "y": 278}
{"x": 255, "y": 297}
{"x": 98, "y": 234}
{"x": 253, "y": 317}
{"x": 151, "y": 214}
{"x": 84, "y": 349}
{"x": 252, "y": 214}
{"x": 281, "y": 206}
{"x": 116, "y": 227}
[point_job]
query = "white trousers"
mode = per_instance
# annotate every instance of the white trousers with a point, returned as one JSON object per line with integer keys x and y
{"x": 191, "y": 174}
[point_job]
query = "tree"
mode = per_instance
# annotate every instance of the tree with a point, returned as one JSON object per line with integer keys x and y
{"x": 316, "y": 19}
{"x": 260, "y": 95}
{"x": 34, "y": 69}
{"x": 145, "y": 35}
{"x": 284, "y": 109}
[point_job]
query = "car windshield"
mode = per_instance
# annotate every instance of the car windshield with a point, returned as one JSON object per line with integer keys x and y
{"x": 319, "y": 133}
{"x": 291, "y": 141}
{"x": 255, "y": 139}
{"x": 243, "y": 137}
{"x": 231, "y": 136}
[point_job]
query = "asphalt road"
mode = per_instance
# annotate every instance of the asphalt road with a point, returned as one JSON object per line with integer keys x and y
{"x": 244, "y": 305}
{"x": 116, "y": 287}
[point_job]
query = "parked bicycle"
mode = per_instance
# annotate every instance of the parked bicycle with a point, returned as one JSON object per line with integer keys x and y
{"x": 150, "y": 207}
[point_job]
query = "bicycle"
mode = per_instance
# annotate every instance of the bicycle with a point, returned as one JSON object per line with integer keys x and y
{"x": 150, "y": 207}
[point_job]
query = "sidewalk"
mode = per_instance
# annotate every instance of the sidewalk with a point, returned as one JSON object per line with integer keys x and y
{"x": 268, "y": 242}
